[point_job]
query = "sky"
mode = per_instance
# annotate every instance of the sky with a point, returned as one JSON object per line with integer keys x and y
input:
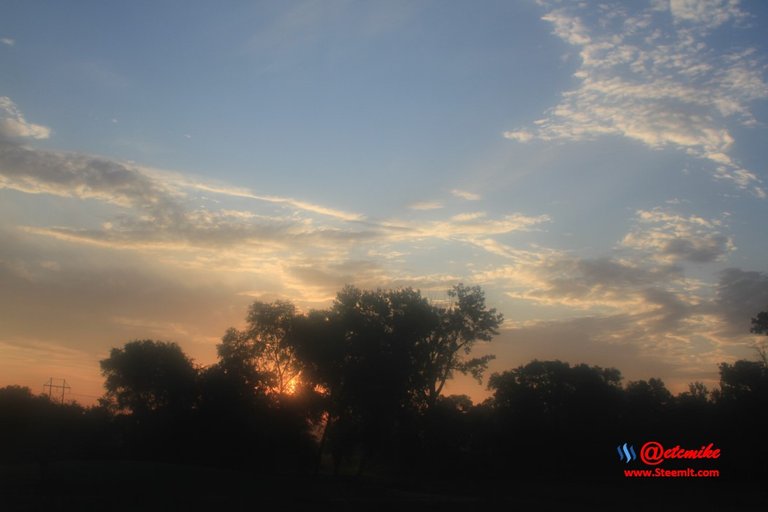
{"x": 598, "y": 168}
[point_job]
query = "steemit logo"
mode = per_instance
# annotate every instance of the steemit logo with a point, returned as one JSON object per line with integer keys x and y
{"x": 626, "y": 452}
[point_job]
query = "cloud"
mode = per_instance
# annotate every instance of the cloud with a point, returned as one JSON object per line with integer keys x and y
{"x": 215, "y": 230}
{"x": 640, "y": 302}
{"x": 467, "y": 196}
{"x": 86, "y": 177}
{"x": 670, "y": 237}
{"x": 468, "y": 226}
{"x": 157, "y": 208}
{"x": 675, "y": 326}
{"x": 740, "y": 295}
{"x": 586, "y": 339}
{"x": 426, "y": 205}
{"x": 627, "y": 315}
{"x": 615, "y": 341}
{"x": 468, "y": 217}
{"x": 520, "y": 136}
{"x": 64, "y": 306}
{"x": 647, "y": 291}
{"x": 568, "y": 28}
{"x": 280, "y": 240}
{"x": 8, "y": 41}
{"x": 301, "y": 205}
{"x": 80, "y": 293}
{"x": 275, "y": 246}
{"x": 601, "y": 285}
{"x": 656, "y": 82}
{"x": 156, "y": 211}
{"x": 285, "y": 242}
{"x": 190, "y": 269}
{"x": 13, "y": 125}
{"x": 705, "y": 13}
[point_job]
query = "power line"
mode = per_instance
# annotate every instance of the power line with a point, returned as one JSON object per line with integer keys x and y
{"x": 51, "y": 386}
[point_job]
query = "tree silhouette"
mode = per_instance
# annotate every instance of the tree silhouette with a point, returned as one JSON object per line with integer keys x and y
{"x": 237, "y": 364}
{"x": 760, "y": 326}
{"x": 760, "y": 323}
{"x": 379, "y": 358}
{"x": 34, "y": 428}
{"x": 554, "y": 394}
{"x": 253, "y": 400}
{"x": 149, "y": 376}
{"x": 362, "y": 381}
{"x": 649, "y": 396}
{"x": 742, "y": 406}
{"x": 743, "y": 380}
{"x": 268, "y": 328}
{"x": 379, "y": 333}
{"x": 460, "y": 326}
{"x": 545, "y": 412}
{"x": 260, "y": 356}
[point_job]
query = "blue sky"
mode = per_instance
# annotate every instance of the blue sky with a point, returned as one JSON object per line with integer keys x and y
{"x": 598, "y": 168}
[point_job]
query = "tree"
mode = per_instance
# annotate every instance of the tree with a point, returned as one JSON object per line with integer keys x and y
{"x": 743, "y": 380}
{"x": 237, "y": 366}
{"x": 650, "y": 395}
{"x": 746, "y": 382}
{"x": 149, "y": 376}
{"x": 35, "y": 428}
{"x": 382, "y": 357}
{"x": 551, "y": 415}
{"x": 760, "y": 323}
{"x": 268, "y": 328}
{"x": 556, "y": 393}
{"x": 460, "y": 326}
{"x": 760, "y": 326}
{"x": 260, "y": 356}
{"x": 380, "y": 335}
{"x": 697, "y": 394}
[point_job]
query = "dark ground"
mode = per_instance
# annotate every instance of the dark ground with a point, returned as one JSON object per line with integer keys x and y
{"x": 147, "y": 486}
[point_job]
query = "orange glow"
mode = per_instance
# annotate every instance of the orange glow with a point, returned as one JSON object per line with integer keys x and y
{"x": 292, "y": 386}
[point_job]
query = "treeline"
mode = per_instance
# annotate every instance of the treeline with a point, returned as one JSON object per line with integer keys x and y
{"x": 357, "y": 389}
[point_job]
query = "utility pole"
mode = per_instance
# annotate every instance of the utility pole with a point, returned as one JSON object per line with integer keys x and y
{"x": 51, "y": 386}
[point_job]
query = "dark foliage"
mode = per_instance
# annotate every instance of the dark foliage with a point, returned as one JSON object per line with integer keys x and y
{"x": 351, "y": 390}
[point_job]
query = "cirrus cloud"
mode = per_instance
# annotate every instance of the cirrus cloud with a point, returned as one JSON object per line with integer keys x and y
{"x": 12, "y": 121}
{"x": 663, "y": 87}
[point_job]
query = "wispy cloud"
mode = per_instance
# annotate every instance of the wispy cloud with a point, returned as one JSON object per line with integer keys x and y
{"x": 640, "y": 298}
{"x": 670, "y": 237}
{"x": 36, "y": 171}
{"x": 277, "y": 238}
{"x": 705, "y": 13}
{"x": 426, "y": 205}
{"x": 14, "y": 125}
{"x": 7, "y": 41}
{"x": 649, "y": 75}
{"x": 467, "y": 196}
{"x": 295, "y": 203}
{"x": 468, "y": 217}
{"x": 554, "y": 278}
{"x": 645, "y": 308}
{"x": 472, "y": 225}
{"x": 740, "y": 295}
